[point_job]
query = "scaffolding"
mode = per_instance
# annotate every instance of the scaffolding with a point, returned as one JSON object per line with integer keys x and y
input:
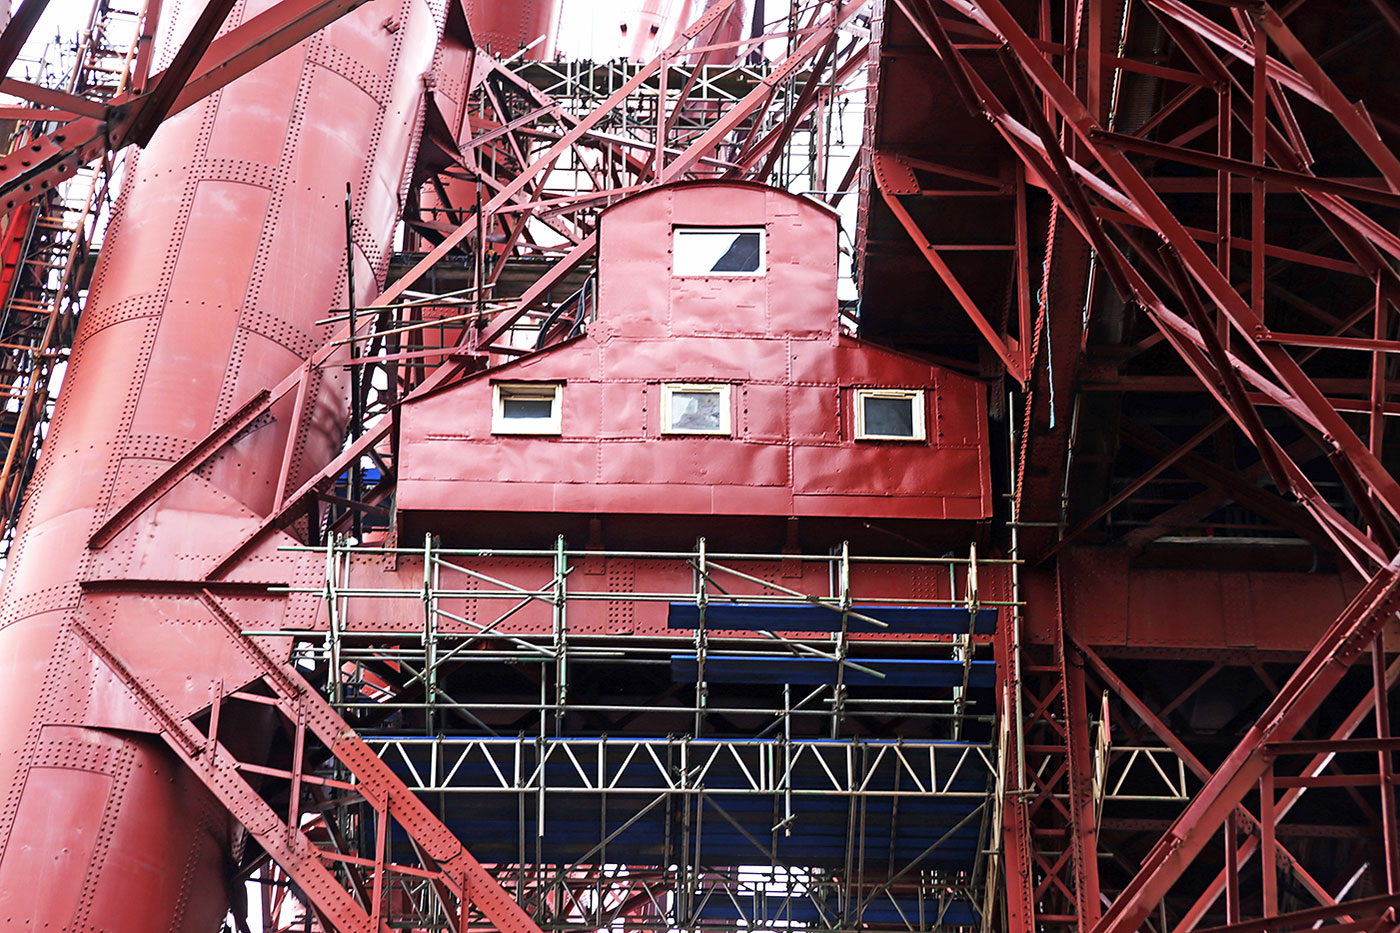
{"x": 50, "y": 245}
{"x": 618, "y": 770}
{"x": 791, "y": 122}
{"x": 819, "y": 148}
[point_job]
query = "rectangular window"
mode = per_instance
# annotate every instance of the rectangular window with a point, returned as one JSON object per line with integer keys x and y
{"x": 695, "y": 409}
{"x": 890, "y": 414}
{"x": 526, "y": 407}
{"x": 725, "y": 251}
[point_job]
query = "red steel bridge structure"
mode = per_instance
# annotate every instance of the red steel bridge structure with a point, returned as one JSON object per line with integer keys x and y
{"x": 1146, "y": 248}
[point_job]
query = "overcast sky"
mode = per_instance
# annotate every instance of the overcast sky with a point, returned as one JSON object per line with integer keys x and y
{"x": 588, "y": 28}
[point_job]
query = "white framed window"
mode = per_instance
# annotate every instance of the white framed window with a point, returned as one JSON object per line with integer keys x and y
{"x": 695, "y": 409}
{"x": 526, "y": 407}
{"x": 727, "y": 251}
{"x": 890, "y": 414}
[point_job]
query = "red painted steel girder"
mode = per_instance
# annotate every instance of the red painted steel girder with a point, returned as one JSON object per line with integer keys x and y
{"x": 17, "y": 30}
{"x": 457, "y": 878}
{"x": 1054, "y": 119}
{"x": 1284, "y": 380}
{"x": 1014, "y": 358}
{"x": 204, "y": 65}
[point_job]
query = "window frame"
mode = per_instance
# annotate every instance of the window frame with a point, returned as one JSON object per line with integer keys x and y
{"x": 726, "y": 420}
{"x": 760, "y": 229}
{"x": 551, "y": 426}
{"x": 918, "y": 407}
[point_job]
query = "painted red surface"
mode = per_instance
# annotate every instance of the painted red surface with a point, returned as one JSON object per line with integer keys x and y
{"x": 1107, "y": 602}
{"x": 650, "y": 25}
{"x": 773, "y": 339}
{"x": 228, "y": 245}
{"x": 504, "y": 28}
{"x": 12, "y": 240}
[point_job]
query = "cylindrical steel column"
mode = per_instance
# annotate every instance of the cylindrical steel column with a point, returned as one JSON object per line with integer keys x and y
{"x": 227, "y": 245}
{"x": 504, "y": 28}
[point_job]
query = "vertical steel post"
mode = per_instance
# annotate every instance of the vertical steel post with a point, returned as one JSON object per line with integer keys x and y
{"x": 1390, "y": 834}
{"x": 1023, "y": 272}
{"x": 1015, "y": 841}
{"x": 561, "y": 644}
{"x": 659, "y": 157}
{"x": 479, "y": 264}
{"x": 432, "y": 569}
{"x": 357, "y": 414}
{"x": 786, "y": 776}
{"x": 702, "y": 600}
{"x": 1083, "y": 823}
{"x": 1224, "y": 120}
{"x": 334, "y": 682}
{"x": 1379, "y": 363}
{"x": 838, "y": 707}
{"x": 1268, "y": 852}
{"x": 1232, "y": 870}
{"x": 1259, "y": 130}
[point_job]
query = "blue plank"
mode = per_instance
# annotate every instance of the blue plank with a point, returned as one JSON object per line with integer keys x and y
{"x": 899, "y": 672}
{"x": 804, "y": 617}
{"x": 491, "y": 826}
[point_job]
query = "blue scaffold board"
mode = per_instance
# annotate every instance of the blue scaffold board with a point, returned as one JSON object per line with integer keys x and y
{"x": 805, "y": 617}
{"x": 899, "y": 672}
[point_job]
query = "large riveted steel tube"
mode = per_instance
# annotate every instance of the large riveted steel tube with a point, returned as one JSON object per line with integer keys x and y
{"x": 227, "y": 246}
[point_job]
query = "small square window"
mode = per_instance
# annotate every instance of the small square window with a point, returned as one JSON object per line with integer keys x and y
{"x": 526, "y": 408}
{"x": 695, "y": 409}
{"x": 890, "y": 414}
{"x": 725, "y": 251}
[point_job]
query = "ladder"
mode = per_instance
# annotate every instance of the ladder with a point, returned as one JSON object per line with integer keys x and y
{"x": 45, "y": 248}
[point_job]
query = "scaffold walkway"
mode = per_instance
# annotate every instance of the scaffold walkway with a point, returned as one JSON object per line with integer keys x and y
{"x": 570, "y": 715}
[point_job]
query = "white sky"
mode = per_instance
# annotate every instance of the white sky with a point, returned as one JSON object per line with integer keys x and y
{"x": 62, "y": 18}
{"x": 588, "y": 28}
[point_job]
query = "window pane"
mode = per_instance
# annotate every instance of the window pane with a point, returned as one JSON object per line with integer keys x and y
{"x": 527, "y": 406}
{"x": 703, "y": 252}
{"x": 889, "y": 417}
{"x": 695, "y": 411}
{"x": 740, "y": 256}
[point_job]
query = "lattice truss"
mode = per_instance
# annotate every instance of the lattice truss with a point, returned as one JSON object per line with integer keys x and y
{"x": 1220, "y": 201}
{"x": 1252, "y": 354}
{"x": 522, "y": 108}
{"x": 486, "y": 691}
